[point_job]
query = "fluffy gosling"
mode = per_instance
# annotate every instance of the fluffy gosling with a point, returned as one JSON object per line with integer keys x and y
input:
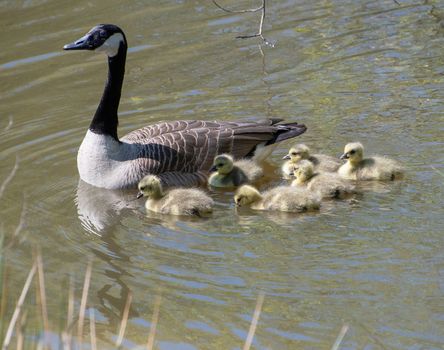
{"x": 179, "y": 201}
{"x": 281, "y": 198}
{"x": 328, "y": 185}
{"x": 373, "y": 168}
{"x": 228, "y": 173}
{"x": 300, "y": 152}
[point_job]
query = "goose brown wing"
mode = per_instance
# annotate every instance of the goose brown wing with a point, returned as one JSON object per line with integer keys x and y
{"x": 189, "y": 146}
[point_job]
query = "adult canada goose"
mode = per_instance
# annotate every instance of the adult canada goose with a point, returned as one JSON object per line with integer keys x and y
{"x": 281, "y": 198}
{"x": 300, "y": 152}
{"x": 372, "y": 168}
{"x": 230, "y": 173}
{"x": 178, "y": 201}
{"x": 328, "y": 184}
{"x": 181, "y": 152}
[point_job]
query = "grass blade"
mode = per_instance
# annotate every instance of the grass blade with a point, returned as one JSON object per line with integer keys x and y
{"x": 154, "y": 321}
{"x": 124, "y": 319}
{"x": 83, "y": 302}
{"x": 254, "y": 321}
{"x": 340, "y": 337}
{"x": 92, "y": 329}
{"x": 18, "y": 307}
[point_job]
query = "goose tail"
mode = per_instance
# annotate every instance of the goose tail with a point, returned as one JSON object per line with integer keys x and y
{"x": 283, "y": 132}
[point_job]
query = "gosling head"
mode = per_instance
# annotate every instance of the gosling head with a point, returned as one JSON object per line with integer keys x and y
{"x": 353, "y": 152}
{"x": 297, "y": 153}
{"x": 246, "y": 195}
{"x": 150, "y": 186}
{"x": 107, "y": 38}
{"x": 223, "y": 164}
{"x": 304, "y": 171}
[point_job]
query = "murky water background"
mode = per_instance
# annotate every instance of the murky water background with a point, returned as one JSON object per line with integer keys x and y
{"x": 351, "y": 70}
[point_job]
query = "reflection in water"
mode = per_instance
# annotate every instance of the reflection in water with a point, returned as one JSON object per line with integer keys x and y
{"x": 99, "y": 209}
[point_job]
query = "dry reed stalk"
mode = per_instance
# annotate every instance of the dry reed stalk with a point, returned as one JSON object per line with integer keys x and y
{"x": 124, "y": 321}
{"x": 66, "y": 335}
{"x": 154, "y": 321}
{"x": 9, "y": 177}
{"x": 83, "y": 302}
{"x": 42, "y": 293}
{"x": 340, "y": 337}
{"x": 92, "y": 329}
{"x": 18, "y": 307}
{"x": 20, "y": 225}
{"x": 5, "y": 271}
{"x": 21, "y": 330}
{"x": 254, "y": 321}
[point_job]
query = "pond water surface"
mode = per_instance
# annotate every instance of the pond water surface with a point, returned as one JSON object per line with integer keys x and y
{"x": 350, "y": 70}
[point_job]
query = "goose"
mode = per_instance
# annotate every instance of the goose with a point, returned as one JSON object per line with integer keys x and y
{"x": 281, "y": 198}
{"x": 180, "y": 152}
{"x": 300, "y": 152}
{"x": 228, "y": 173}
{"x": 178, "y": 201}
{"x": 328, "y": 185}
{"x": 373, "y": 168}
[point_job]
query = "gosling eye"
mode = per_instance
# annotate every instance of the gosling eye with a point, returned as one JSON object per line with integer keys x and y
{"x": 352, "y": 151}
{"x": 294, "y": 153}
{"x": 142, "y": 188}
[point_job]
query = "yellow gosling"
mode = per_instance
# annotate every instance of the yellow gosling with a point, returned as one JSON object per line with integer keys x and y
{"x": 300, "y": 152}
{"x": 372, "y": 168}
{"x": 179, "y": 201}
{"x": 327, "y": 185}
{"x": 281, "y": 198}
{"x": 230, "y": 173}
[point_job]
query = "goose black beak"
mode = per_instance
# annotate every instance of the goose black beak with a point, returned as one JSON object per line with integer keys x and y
{"x": 287, "y": 157}
{"x": 139, "y": 195}
{"x": 344, "y": 156}
{"x": 213, "y": 169}
{"x": 81, "y": 44}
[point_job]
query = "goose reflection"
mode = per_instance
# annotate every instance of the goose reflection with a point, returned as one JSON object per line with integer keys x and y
{"x": 99, "y": 209}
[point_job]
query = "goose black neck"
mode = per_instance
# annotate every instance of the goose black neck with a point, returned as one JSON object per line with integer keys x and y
{"x": 105, "y": 119}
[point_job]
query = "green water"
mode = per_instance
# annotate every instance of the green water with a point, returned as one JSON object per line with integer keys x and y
{"x": 350, "y": 70}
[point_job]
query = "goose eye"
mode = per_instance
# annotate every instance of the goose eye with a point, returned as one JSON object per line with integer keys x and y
{"x": 294, "y": 154}
{"x": 352, "y": 152}
{"x": 142, "y": 188}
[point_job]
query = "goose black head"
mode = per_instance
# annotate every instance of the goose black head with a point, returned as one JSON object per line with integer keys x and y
{"x": 102, "y": 38}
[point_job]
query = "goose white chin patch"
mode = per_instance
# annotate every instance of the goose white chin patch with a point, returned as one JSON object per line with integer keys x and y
{"x": 111, "y": 45}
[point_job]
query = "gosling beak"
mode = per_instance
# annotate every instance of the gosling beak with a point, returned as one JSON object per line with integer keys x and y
{"x": 344, "y": 156}
{"x": 287, "y": 157}
{"x": 80, "y": 44}
{"x": 139, "y": 195}
{"x": 213, "y": 169}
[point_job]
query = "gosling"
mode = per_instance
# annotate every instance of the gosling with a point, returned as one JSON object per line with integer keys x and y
{"x": 300, "y": 152}
{"x": 327, "y": 185}
{"x": 228, "y": 173}
{"x": 374, "y": 168}
{"x": 281, "y": 198}
{"x": 179, "y": 201}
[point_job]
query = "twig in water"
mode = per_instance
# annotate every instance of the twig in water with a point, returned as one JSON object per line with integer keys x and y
{"x": 261, "y": 23}
{"x": 340, "y": 337}
{"x": 92, "y": 329}
{"x": 254, "y": 321}
{"x": 9, "y": 177}
{"x": 154, "y": 321}
{"x": 18, "y": 307}
{"x": 83, "y": 302}
{"x": 124, "y": 319}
